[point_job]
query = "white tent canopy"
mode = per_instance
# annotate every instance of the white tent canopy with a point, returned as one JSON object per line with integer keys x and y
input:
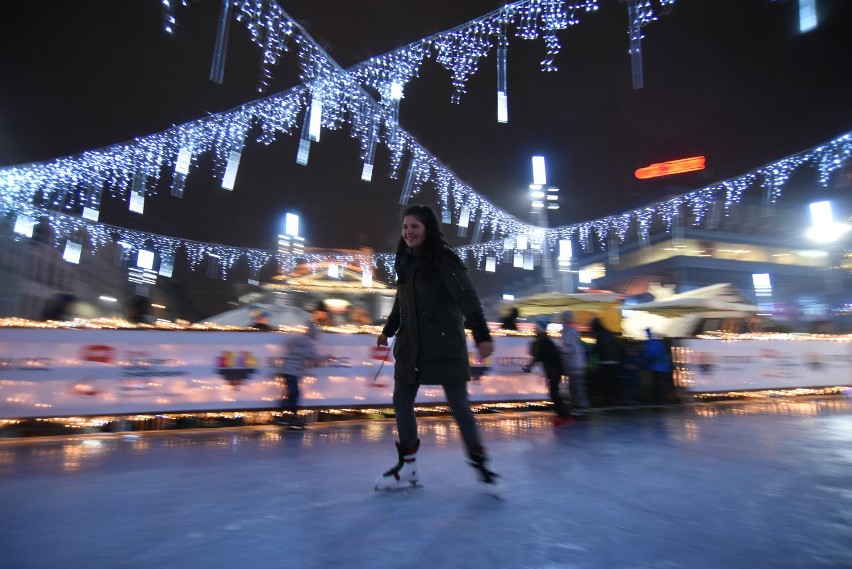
{"x": 723, "y": 297}
{"x": 679, "y": 314}
{"x": 278, "y": 316}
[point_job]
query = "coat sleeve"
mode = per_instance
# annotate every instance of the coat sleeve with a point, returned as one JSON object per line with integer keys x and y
{"x": 392, "y": 325}
{"x": 457, "y": 281}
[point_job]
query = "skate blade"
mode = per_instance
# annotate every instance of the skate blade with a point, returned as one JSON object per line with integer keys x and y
{"x": 496, "y": 491}
{"x": 398, "y": 488}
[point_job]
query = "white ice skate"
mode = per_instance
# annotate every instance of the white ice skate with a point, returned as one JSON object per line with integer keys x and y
{"x": 403, "y": 476}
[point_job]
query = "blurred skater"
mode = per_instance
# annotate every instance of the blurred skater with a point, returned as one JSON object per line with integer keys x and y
{"x": 139, "y": 310}
{"x": 301, "y": 354}
{"x": 260, "y": 320}
{"x": 321, "y": 315}
{"x": 510, "y": 321}
{"x": 574, "y": 366}
{"x": 434, "y": 298}
{"x": 543, "y": 350}
{"x": 59, "y": 308}
{"x": 609, "y": 362}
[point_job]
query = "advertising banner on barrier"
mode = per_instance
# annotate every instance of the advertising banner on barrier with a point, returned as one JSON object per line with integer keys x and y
{"x": 59, "y": 372}
{"x": 715, "y": 365}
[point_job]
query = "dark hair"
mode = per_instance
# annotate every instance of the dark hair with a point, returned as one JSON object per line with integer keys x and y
{"x": 434, "y": 244}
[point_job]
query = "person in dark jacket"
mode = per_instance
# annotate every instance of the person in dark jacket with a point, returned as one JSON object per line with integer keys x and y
{"x": 657, "y": 360}
{"x": 544, "y": 350}
{"x": 609, "y": 362}
{"x": 260, "y": 321}
{"x": 59, "y": 309}
{"x": 510, "y": 321}
{"x": 434, "y": 299}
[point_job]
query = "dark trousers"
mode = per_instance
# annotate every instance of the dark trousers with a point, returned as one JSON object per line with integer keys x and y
{"x": 611, "y": 382}
{"x": 554, "y": 378}
{"x": 291, "y": 402}
{"x": 404, "y": 395}
{"x": 663, "y": 386}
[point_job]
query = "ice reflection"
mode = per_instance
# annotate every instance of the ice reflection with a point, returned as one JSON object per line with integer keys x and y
{"x": 374, "y": 431}
{"x": 691, "y": 431}
{"x": 74, "y": 456}
{"x": 792, "y": 406}
{"x": 685, "y": 423}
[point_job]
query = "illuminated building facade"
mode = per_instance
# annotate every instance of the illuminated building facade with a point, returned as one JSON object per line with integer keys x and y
{"x": 790, "y": 278}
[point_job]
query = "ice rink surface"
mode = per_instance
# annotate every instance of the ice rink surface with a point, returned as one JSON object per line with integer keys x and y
{"x": 764, "y": 483}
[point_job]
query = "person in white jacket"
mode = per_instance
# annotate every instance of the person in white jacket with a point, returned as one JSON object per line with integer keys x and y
{"x": 574, "y": 366}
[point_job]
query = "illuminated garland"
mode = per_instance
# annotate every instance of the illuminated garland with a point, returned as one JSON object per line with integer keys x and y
{"x": 130, "y": 170}
{"x": 827, "y": 158}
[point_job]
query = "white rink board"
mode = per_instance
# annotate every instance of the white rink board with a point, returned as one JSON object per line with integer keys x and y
{"x": 58, "y": 372}
{"x": 716, "y": 365}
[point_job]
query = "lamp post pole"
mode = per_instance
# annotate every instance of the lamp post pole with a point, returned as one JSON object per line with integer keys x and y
{"x": 542, "y": 199}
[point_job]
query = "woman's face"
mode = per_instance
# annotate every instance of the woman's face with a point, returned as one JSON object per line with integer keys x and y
{"x": 413, "y": 231}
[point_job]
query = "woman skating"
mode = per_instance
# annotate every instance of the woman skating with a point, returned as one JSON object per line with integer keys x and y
{"x": 434, "y": 298}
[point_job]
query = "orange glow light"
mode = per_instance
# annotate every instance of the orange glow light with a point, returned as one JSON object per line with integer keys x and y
{"x": 671, "y": 167}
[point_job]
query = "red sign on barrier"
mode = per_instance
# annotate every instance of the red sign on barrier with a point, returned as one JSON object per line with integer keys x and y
{"x": 381, "y": 353}
{"x": 97, "y": 353}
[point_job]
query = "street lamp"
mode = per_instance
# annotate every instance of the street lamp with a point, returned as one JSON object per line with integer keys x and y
{"x": 823, "y": 227}
{"x": 826, "y": 231}
{"x": 542, "y": 199}
{"x": 290, "y": 244}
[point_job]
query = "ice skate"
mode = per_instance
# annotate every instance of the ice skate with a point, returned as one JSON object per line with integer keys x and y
{"x": 291, "y": 420}
{"x": 559, "y": 421}
{"x": 489, "y": 480}
{"x": 403, "y": 476}
{"x": 580, "y": 414}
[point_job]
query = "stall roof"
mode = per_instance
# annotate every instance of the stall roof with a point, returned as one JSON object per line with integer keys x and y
{"x": 277, "y": 316}
{"x": 551, "y": 302}
{"x": 315, "y": 278}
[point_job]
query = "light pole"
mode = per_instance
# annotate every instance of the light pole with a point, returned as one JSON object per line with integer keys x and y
{"x": 290, "y": 244}
{"x": 542, "y": 199}
{"x": 830, "y": 234}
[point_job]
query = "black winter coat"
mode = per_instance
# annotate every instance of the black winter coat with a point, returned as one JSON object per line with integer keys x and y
{"x": 428, "y": 319}
{"x": 544, "y": 350}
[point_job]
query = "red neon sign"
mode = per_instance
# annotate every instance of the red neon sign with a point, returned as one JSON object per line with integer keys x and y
{"x": 671, "y": 167}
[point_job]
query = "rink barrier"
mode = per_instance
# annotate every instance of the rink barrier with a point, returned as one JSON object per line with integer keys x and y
{"x": 62, "y": 372}
{"x": 68, "y": 372}
{"x": 716, "y": 366}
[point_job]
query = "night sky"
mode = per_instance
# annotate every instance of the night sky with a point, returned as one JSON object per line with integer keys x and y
{"x": 729, "y": 79}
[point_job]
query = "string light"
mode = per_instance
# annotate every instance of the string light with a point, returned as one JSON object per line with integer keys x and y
{"x": 139, "y": 163}
{"x": 16, "y": 196}
{"x": 640, "y": 13}
{"x": 131, "y": 170}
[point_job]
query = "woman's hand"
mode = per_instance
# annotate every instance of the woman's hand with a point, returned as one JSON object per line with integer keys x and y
{"x": 382, "y": 340}
{"x": 485, "y": 349}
